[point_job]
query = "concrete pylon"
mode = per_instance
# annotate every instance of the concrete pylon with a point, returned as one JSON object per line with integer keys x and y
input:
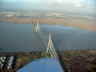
{"x": 35, "y": 27}
{"x": 50, "y": 48}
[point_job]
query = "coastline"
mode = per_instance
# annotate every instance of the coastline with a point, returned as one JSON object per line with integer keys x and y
{"x": 73, "y": 22}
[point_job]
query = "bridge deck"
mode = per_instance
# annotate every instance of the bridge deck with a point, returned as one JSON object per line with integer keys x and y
{"x": 43, "y": 65}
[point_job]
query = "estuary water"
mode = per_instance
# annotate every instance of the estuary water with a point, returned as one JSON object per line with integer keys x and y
{"x": 20, "y": 37}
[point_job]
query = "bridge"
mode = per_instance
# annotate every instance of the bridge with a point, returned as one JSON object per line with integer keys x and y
{"x": 50, "y": 51}
{"x": 51, "y": 56}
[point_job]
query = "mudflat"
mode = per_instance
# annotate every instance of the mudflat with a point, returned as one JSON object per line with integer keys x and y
{"x": 82, "y": 23}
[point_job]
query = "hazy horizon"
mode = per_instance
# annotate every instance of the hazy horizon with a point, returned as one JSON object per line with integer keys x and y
{"x": 75, "y": 6}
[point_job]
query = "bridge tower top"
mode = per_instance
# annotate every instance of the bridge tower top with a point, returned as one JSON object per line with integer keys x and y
{"x": 36, "y": 27}
{"x": 50, "y": 48}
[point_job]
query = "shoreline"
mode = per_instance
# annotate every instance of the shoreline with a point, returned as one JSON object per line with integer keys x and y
{"x": 78, "y": 23}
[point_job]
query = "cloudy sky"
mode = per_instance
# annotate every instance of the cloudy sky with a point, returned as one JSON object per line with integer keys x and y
{"x": 76, "y": 3}
{"x": 63, "y": 5}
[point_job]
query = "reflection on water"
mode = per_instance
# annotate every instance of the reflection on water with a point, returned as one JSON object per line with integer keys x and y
{"x": 20, "y": 37}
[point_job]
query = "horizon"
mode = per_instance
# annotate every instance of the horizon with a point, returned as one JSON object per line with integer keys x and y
{"x": 81, "y": 6}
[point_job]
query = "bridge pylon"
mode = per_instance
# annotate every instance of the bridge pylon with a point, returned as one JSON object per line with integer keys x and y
{"x": 50, "y": 48}
{"x": 36, "y": 27}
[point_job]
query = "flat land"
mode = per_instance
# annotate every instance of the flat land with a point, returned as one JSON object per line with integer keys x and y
{"x": 79, "y": 23}
{"x": 70, "y": 60}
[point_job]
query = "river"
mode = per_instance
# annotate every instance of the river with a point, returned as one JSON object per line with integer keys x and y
{"x": 19, "y": 37}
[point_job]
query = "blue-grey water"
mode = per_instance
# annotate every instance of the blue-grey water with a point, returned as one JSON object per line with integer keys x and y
{"x": 19, "y": 37}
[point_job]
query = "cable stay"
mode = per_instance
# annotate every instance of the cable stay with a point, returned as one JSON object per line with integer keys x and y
{"x": 50, "y": 48}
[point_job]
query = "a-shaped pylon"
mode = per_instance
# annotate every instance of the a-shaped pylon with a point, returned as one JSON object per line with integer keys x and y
{"x": 50, "y": 48}
{"x": 36, "y": 27}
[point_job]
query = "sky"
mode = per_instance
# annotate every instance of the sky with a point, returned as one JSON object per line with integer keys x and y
{"x": 77, "y": 3}
{"x": 80, "y": 6}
